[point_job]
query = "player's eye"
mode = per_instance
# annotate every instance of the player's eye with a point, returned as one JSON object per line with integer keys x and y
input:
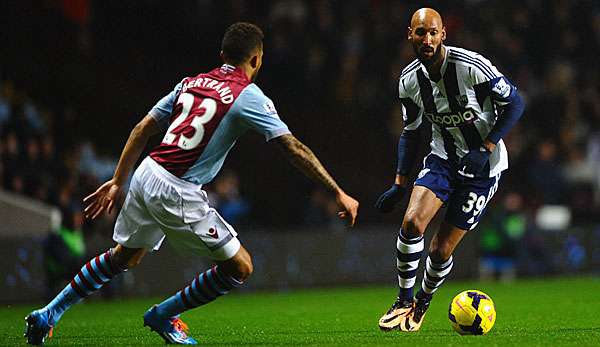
{"x": 420, "y": 32}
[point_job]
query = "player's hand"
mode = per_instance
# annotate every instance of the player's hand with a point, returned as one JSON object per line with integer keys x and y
{"x": 349, "y": 207}
{"x": 103, "y": 199}
{"x": 388, "y": 200}
{"x": 474, "y": 162}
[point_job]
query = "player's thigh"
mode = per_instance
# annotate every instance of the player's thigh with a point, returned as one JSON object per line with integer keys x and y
{"x": 136, "y": 227}
{"x": 183, "y": 213}
{"x": 444, "y": 242}
{"x": 422, "y": 207}
{"x": 469, "y": 200}
{"x": 431, "y": 190}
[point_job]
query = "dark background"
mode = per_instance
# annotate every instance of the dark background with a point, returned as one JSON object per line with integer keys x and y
{"x": 94, "y": 68}
{"x": 76, "y": 75}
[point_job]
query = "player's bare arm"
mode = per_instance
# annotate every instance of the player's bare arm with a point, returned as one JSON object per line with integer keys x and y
{"x": 401, "y": 180}
{"x": 103, "y": 199}
{"x": 305, "y": 160}
{"x": 489, "y": 145}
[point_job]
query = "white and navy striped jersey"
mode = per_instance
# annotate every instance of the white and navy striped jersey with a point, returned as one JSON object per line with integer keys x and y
{"x": 462, "y": 106}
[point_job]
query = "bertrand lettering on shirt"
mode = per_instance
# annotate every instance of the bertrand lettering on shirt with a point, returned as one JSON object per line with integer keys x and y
{"x": 224, "y": 92}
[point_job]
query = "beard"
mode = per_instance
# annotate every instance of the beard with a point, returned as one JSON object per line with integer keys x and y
{"x": 425, "y": 60}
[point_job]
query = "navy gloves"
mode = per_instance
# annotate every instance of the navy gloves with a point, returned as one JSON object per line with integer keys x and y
{"x": 474, "y": 162}
{"x": 388, "y": 200}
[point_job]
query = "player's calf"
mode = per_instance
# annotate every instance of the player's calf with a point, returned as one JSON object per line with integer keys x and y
{"x": 408, "y": 254}
{"x": 91, "y": 277}
{"x": 434, "y": 276}
{"x": 205, "y": 288}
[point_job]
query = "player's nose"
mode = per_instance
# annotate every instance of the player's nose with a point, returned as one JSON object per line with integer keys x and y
{"x": 428, "y": 40}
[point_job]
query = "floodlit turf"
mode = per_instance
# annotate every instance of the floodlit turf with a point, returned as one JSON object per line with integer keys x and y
{"x": 553, "y": 312}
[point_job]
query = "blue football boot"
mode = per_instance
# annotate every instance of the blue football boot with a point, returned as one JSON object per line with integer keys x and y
{"x": 37, "y": 328}
{"x": 173, "y": 330}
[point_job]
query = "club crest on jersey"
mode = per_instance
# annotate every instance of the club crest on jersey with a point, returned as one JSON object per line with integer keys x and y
{"x": 270, "y": 108}
{"x": 462, "y": 100}
{"x": 446, "y": 120}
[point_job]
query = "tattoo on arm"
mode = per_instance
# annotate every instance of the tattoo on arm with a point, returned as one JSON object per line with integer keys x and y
{"x": 304, "y": 159}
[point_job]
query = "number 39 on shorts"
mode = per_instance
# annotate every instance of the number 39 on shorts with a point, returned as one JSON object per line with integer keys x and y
{"x": 476, "y": 202}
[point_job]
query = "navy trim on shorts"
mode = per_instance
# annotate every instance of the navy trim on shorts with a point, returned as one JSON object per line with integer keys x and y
{"x": 222, "y": 242}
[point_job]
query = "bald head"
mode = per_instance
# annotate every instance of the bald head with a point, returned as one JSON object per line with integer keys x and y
{"x": 426, "y": 16}
{"x": 426, "y": 33}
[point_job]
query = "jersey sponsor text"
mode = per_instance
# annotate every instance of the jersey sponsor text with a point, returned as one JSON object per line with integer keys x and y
{"x": 466, "y": 116}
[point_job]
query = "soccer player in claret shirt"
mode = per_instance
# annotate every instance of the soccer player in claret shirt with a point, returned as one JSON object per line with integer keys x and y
{"x": 469, "y": 106}
{"x": 201, "y": 119}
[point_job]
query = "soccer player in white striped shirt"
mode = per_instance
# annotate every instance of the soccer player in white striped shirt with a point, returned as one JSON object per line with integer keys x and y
{"x": 469, "y": 106}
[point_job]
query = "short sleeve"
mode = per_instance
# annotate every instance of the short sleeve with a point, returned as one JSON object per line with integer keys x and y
{"x": 482, "y": 70}
{"x": 258, "y": 112}
{"x": 411, "y": 112}
{"x": 161, "y": 112}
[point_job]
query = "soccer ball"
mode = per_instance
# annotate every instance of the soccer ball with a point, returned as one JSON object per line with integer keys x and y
{"x": 472, "y": 313}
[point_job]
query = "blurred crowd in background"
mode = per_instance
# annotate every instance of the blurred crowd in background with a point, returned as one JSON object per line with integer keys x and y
{"x": 77, "y": 75}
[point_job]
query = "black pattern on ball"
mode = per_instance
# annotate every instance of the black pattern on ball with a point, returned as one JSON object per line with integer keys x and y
{"x": 451, "y": 317}
{"x": 476, "y": 328}
{"x": 476, "y": 298}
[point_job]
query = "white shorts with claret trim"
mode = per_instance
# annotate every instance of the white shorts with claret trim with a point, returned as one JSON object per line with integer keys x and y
{"x": 160, "y": 204}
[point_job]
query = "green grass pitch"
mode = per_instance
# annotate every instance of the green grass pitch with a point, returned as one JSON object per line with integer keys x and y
{"x": 552, "y": 312}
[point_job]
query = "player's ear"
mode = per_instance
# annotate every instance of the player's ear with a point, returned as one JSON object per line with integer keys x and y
{"x": 409, "y": 34}
{"x": 254, "y": 61}
{"x": 443, "y": 33}
{"x": 222, "y": 55}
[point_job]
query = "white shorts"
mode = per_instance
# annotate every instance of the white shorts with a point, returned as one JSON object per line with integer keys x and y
{"x": 160, "y": 204}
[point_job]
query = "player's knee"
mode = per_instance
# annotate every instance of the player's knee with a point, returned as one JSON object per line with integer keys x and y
{"x": 126, "y": 258}
{"x": 239, "y": 266}
{"x": 118, "y": 258}
{"x": 132, "y": 262}
{"x": 413, "y": 226}
{"x": 241, "y": 269}
{"x": 245, "y": 269}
